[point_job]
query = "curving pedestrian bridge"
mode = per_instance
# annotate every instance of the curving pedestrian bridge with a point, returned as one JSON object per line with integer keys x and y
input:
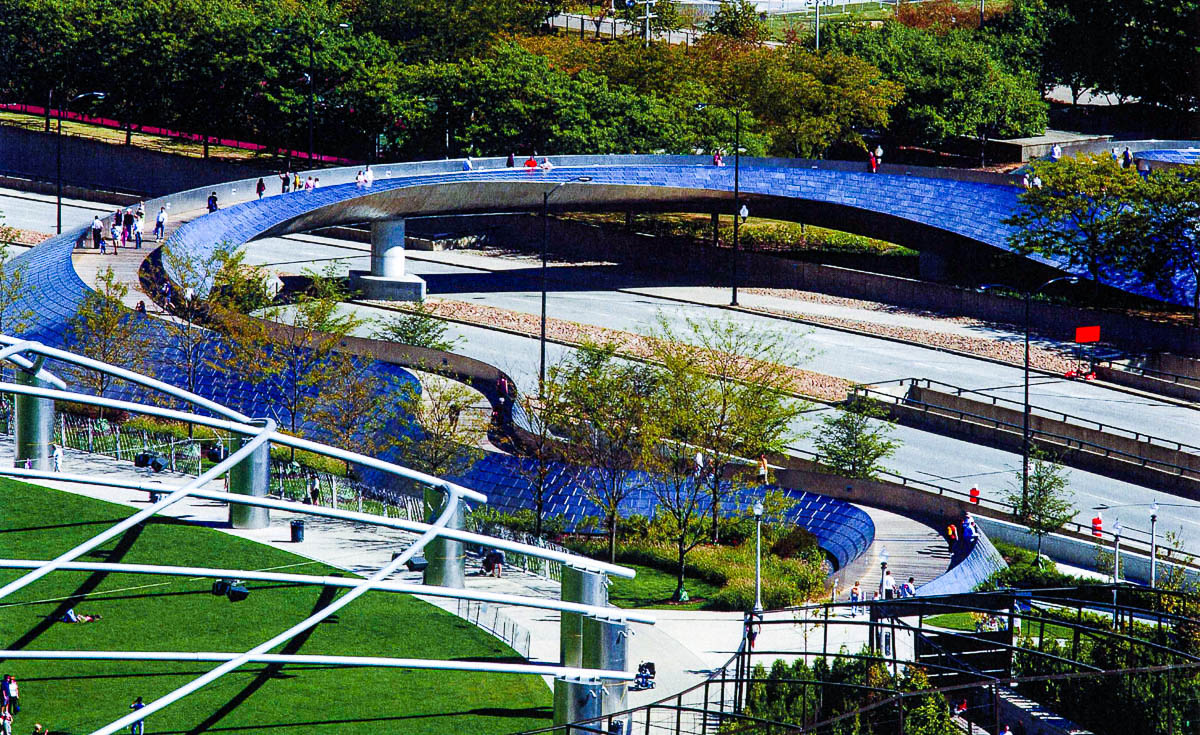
{"x": 951, "y": 213}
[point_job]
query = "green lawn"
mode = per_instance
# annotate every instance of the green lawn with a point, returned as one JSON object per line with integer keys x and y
{"x": 171, "y": 614}
{"x": 964, "y": 621}
{"x": 653, "y": 588}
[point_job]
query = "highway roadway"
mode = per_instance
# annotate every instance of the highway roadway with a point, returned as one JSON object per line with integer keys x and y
{"x": 590, "y": 295}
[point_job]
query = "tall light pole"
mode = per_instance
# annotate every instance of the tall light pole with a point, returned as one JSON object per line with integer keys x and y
{"x": 311, "y": 40}
{"x": 1028, "y": 295}
{"x": 1117, "y": 552}
{"x": 545, "y": 247}
{"x": 737, "y": 197}
{"x": 1153, "y": 542}
{"x": 58, "y": 195}
{"x": 758, "y": 514}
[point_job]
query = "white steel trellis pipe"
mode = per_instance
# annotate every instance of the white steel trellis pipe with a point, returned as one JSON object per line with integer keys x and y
{"x": 346, "y": 515}
{"x": 348, "y": 661}
{"x": 360, "y": 589}
{"x": 174, "y": 497}
{"x": 242, "y": 428}
{"x": 544, "y": 603}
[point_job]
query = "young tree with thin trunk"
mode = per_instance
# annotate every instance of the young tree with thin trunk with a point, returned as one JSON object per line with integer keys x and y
{"x": 1048, "y": 505}
{"x": 678, "y": 484}
{"x": 360, "y": 409}
{"x": 543, "y": 457}
{"x": 448, "y": 426}
{"x": 103, "y": 329}
{"x": 853, "y": 442}
{"x": 288, "y": 350}
{"x": 602, "y": 408}
{"x": 742, "y": 395}
{"x": 15, "y": 314}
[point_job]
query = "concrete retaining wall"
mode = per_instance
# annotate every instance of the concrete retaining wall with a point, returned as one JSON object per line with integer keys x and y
{"x": 1182, "y": 389}
{"x": 982, "y": 562}
{"x": 1077, "y": 552}
{"x": 1038, "y": 423}
{"x": 1006, "y": 434}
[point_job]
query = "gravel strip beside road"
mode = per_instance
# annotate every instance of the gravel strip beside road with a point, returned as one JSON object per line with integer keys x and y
{"x": 804, "y": 382}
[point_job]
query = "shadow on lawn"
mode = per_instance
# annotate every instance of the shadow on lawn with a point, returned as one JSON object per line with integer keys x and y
{"x": 89, "y": 585}
{"x": 541, "y": 713}
{"x": 273, "y": 671}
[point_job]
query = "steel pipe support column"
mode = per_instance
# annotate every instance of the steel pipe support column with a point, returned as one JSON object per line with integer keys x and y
{"x": 575, "y": 700}
{"x": 251, "y": 476}
{"x": 34, "y": 420}
{"x": 387, "y": 279}
{"x": 606, "y": 647}
{"x": 588, "y": 588}
{"x": 447, "y": 562}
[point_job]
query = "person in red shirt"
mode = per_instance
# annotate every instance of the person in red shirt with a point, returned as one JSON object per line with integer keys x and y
{"x": 531, "y": 163}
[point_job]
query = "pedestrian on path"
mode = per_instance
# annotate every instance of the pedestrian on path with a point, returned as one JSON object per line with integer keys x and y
{"x": 139, "y": 727}
{"x": 260, "y": 188}
{"x": 160, "y": 224}
{"x": 368, "y": 177}
{"x": 887, "y": 586}
{"x": 855, "y": 598}
{"x": 909, "y": 588}
{"x": 468, "y": 165}
{"x": 762, "y": 469}
{"x": 212, "y": 202}
{"x": 873, "y": 162}
{"x": 511, "y": 162}
{"x": 285, "y": 182}
{"x": 1126, "y": 158}
{"x": 136, "y": 230}
{"x": 57, "y": 453}
{"x": 97, "y": 232}
{"x": 6, "y": 720}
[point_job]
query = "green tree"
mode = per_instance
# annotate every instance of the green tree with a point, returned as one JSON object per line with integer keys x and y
{"x": 740, "y": 386}
{"x": 1164, "y": 231}
{"x": 1049, "y": 503}
{"x": 738, "y": 19}
{"x": 1079, "y": 213}
{"x": 418, "y": 326}
{"x": 547, "y": 472}
{"x": 103, "y": 329}
{"x": 185, "y": 338}
{"x": 447, "y": 432}
{"x": 288, "y": 350}
{"x": 602, "y": 410}
{"x": 360, "y": 409}
{"x": 953, "y": 84}
{"x": 15, "y": 314}
{"x": 678, "y": 482}
{"x": 854, "y": 441}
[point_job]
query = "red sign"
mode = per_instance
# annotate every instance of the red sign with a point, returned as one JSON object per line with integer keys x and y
{"x": 1087, "y": 334}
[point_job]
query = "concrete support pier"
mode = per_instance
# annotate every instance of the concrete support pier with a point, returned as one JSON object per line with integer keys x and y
{"x": 251, "y": 476}
{"x": 447, "y": 562}
{"x": 387, "y": 280}
{"x": 34, "y": 429}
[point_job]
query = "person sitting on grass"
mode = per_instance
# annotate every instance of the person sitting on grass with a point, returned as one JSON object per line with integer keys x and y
{"x": 70, "y": 616}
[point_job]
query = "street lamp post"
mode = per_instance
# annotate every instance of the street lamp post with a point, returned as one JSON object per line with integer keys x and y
{"x": 311, "y": 40}
{"x": 58, "y": 194}
{"x": 1117, "y": 552}
{"x": 545, "y": 246}
{"x": 1153, "y": 543}
{"x": 737, "y": 199}
{"x": 1028, "y": 296}
{"x": 758, "y": 514}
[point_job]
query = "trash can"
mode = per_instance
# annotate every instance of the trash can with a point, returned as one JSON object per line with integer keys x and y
{"x": 297, "y": 531}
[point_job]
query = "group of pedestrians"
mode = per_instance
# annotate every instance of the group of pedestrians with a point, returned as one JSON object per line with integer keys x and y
{"x": 10, "y": 706}
{"x": 888, "y": 590}
{"x": 127, "y": 225}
